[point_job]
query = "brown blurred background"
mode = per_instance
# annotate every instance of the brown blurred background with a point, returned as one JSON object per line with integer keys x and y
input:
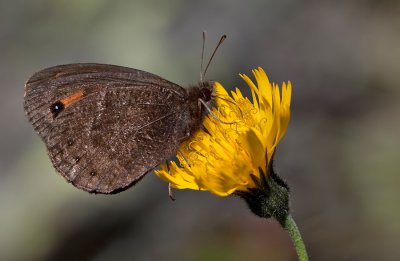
{"x": 340, "y": 156}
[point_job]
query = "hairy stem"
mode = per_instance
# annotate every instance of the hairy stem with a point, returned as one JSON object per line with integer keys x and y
{"x": 290, "y": 226}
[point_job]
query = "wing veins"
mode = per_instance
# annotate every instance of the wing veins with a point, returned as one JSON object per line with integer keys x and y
{"x": 150, "y": 123}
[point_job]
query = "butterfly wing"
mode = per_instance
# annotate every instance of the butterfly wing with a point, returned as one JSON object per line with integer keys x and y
{"x": 105, "y": 126}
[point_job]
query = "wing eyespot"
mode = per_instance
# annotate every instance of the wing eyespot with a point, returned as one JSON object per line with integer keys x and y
{"x": 56, "y": 108}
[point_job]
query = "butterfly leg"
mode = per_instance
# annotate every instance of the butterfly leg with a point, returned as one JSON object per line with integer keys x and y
{"x": 170, "y": 194}
{"x": 184, "y": 157}
{"x": 201, "y": 102}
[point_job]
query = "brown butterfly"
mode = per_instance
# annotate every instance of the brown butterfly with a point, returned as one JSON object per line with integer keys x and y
{"x": 106, "y": 126}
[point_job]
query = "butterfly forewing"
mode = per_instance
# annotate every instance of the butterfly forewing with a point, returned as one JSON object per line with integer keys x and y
{"x": 105, "y": 126}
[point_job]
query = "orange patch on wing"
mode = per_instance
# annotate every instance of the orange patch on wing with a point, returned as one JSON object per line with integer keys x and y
{"x": 72, "y": 98}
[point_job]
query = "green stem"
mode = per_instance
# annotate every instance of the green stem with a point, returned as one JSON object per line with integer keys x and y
{"x": 290, "y": 226}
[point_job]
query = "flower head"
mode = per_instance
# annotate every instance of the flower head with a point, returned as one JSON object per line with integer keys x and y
{"x": 234, "y": 150}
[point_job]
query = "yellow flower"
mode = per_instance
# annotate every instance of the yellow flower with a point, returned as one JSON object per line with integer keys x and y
{"x": 227, "y": 158}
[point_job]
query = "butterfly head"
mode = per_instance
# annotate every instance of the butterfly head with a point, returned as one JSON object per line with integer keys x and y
{"x": 206, "y": 90}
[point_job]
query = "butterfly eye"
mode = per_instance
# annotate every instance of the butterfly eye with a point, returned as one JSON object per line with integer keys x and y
{"x": 56, "y": 108}
{"x": 205, "y": 93}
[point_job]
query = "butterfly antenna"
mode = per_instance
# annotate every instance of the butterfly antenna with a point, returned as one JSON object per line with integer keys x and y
{"x": 202, "y": 56}
{"x": 215, "y": 50}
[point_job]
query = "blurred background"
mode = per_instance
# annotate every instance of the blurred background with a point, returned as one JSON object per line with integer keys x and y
{"x": 340, "y": 156}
